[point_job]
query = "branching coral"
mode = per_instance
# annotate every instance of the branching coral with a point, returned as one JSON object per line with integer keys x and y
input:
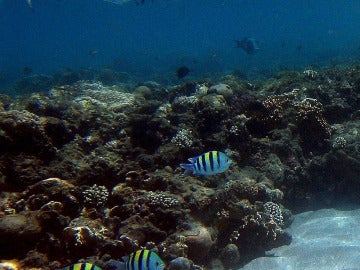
{"x": 96, "y": 195}
{"x": 161, "y": 199}
{"x": 274, "y": 213}
{"x": 183, "y": 138}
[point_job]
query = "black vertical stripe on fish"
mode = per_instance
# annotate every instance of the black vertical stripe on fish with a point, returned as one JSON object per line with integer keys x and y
{"x": 198, "y": 164}
{"x": 218, "y": 158}
{"x": 211, "y": 158}
{"x": 203, "y": 161}
{"x": 141, "y": 259}
{"x": 83, "y": 266}
{"x": 148, "y": 260}
{"x": 93, "y": 267}
{"x": 132, "y": 261}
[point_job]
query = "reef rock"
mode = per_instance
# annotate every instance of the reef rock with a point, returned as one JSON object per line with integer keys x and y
{"x": 18, "y": 233}
{"x": 222, "y": 89}
{"x": 179, "y": 263}
{"x": 230, "y": 255}
{"x": 199, "y": 242}
{"x": 54, "y": 189}
{"x": 83, "y": 235}
{"x": 138, "y": 229}
{"x": 22, "y": 131}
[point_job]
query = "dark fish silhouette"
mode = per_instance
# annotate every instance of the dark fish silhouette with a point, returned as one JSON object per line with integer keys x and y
{"x": 26, "y": 70}
{"x": 117, "y": 2}
{"x": 249, "y": 45}
{"x": 299, "y": 48}
{"x": 121, "y": 2}
{"x": 138, "y": 2}
{"x": 181, "y": 72}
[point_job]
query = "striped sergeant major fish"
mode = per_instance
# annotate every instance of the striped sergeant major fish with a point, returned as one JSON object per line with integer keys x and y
{"x": 209, "y": 163}
{"x": 81, "y": 266}
{"x": 144, "y": 260}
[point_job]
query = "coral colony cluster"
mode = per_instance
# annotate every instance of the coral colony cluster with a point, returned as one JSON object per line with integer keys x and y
{"x": 90, "y": 172}
{"x": 183, "y": 138}
{"x": 96, "y": 195}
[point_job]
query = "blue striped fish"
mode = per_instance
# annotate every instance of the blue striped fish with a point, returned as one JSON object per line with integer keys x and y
{"x": 81, "y": 266}
{"x": 209, "y": 163}
{"x": 144, "y": 260}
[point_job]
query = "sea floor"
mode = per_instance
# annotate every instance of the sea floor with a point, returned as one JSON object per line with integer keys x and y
{"x": 323, "y": 239}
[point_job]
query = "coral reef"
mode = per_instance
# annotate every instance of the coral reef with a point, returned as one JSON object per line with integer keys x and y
{"x": 90, "y": 172}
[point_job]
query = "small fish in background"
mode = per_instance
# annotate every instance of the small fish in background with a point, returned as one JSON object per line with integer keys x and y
{"x": 26, "y": 70}
{"x": 138, "y": 2}
{"x": 144, "y": 260}
{"x": 118, "y": 2}
{"x": 182, "y": 72}
{"x": 249, "y": 45}
{"x": 299, "y": 48}
{"x": 209, "y": 163}
{"x": 93, "y": 52}
{"x": 121, "y": 2}
{"x": 29, "y": 2}
{"x": 81, "y": 266}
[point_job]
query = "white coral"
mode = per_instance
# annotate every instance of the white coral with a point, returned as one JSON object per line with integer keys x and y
{"x": 183, "y": 138}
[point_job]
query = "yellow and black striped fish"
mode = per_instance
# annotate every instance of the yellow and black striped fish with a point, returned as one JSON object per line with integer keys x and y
{"x": 209, "y": 163}
{"x": 144, "y": 260}
{"x": 81, "y": 266}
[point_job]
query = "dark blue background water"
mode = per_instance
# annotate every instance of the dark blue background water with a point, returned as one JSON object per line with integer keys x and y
{"x": 153, "y": 39}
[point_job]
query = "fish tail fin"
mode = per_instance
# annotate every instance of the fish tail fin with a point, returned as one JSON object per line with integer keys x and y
{"x": 189, "y": 168}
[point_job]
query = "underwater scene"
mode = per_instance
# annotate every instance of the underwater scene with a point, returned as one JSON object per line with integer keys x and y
{"x": 179, "y": 135}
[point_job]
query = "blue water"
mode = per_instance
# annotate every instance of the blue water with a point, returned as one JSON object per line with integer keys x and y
{"x": 153, "y": 39}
